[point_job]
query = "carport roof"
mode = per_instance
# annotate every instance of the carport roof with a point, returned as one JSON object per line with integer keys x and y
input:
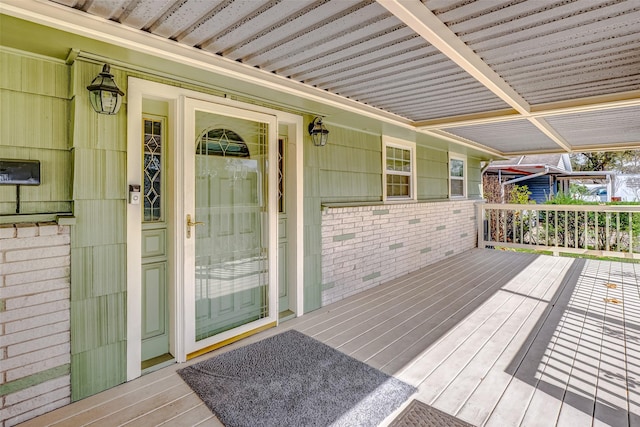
{"x": 506, "y": 77}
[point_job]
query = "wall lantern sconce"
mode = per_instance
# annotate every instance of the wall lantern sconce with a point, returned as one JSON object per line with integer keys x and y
{"x": 319, "y": 133}
{"x": 104, "y": 93}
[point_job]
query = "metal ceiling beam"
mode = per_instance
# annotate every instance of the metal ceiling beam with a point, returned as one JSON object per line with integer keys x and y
{"x": 420, "y": 19}
{"x": 579, "y": 105}
{"x": 441, "y": 134}
{"x": 592, "y": 103}
{"x": 545, "y": 128}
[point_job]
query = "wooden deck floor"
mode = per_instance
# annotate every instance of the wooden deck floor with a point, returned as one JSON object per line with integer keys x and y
{"x": 495, "y": 338}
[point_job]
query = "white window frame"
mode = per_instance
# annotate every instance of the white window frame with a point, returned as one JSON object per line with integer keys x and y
{"x": 388, "y": 141}
{"x": 463, "y": 159}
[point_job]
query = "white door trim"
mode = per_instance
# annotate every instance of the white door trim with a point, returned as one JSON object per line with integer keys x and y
{"x": 174, "y": 96}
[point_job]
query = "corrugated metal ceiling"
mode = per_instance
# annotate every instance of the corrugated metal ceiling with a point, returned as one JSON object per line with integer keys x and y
{"x": 516, "y": 135}
{"x": 368, "y": 51}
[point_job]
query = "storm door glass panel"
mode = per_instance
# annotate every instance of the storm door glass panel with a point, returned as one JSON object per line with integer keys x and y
{"x": 231, "y": 283}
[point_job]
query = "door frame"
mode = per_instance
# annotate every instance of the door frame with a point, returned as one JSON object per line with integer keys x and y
{"x": 139, "y": 89}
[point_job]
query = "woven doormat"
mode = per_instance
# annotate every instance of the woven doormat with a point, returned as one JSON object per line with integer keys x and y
{"x": 293, "y": 380}
{"x": 419, "y": 414}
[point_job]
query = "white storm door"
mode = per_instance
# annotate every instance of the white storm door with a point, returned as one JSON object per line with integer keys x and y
{"x": 230, "y": 206}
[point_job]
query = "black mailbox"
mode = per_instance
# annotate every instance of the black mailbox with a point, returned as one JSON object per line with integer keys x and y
{"x": 19, "y": 172}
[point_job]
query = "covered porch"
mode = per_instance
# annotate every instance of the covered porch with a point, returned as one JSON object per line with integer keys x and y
{"x": 493, "y": 337}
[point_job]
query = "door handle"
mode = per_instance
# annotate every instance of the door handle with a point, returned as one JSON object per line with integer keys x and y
{"x": 191, "y": 224}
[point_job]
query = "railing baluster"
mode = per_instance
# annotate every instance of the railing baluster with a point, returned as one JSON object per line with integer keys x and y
{"x": 522, "y": 226}
{"x": 555, "y": 216}
{"x": 597, "y": 246}
{"x": 586, "y": 229}
{"x": 566, "y": 233}
{"x": 607, "y": 227}
{"x": 546, "y": 227}
{"x": 618, "y": 242}
{"x": 630, "y": 232}
{"x": 575, "y": 230}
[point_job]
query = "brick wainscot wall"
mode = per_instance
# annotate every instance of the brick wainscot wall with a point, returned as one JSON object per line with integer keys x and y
{"x": 365, "y": 246}
{"x": 35, "y": 348}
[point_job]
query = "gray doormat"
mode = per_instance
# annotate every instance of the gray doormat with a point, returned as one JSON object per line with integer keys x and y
{"x": 419, "y": 414}
{"x": 291, "y": 379}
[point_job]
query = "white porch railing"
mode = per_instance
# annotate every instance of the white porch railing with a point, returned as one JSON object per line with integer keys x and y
{"x": 602, "y": 230}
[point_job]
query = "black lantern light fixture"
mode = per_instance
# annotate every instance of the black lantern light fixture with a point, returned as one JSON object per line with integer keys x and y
{"x": 104, "y": 93}
{"x": 319, "y": 133}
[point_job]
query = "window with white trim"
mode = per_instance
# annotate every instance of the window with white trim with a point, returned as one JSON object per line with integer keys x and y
{"x": 457, "y": 176}
{"x": 398, "y": 158}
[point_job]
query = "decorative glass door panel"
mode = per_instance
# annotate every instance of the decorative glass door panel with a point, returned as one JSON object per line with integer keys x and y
{"x": 230, "y": 232}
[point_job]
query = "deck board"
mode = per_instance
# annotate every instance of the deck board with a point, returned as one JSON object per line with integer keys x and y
{"x": 492, "y": 337}
{"x": 515, "y": 398}
{"x": 507, "y": 325}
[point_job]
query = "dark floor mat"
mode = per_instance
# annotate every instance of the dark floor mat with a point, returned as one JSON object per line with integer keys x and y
{"x": 419, "y": 414}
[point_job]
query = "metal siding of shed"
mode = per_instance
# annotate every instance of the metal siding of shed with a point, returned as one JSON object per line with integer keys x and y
{"x": 539, "y": 187}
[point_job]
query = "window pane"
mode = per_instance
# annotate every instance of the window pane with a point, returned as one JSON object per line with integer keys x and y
{"x": 152, "y": 168}
{"x": 457, "y": 187}
{"x": 457, "y": 167}
{"x": 397, "y": 186}
{"x": 390, "y": 164}
{"x": 398, "y": 171}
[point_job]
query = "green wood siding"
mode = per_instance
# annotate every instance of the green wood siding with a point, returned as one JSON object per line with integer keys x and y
{"x": 350, "y": 166}
{"x": 474, "y": 180}
{"x": 98, "y": 241}
{"x": 34, "y": 125}
{"x": 312, "y": 226}
{"x": 433, "y": 173}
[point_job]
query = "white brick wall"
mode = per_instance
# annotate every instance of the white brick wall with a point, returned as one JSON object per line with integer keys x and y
{"x": 365, "y": 246}
{"x": 35, "y": 349}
